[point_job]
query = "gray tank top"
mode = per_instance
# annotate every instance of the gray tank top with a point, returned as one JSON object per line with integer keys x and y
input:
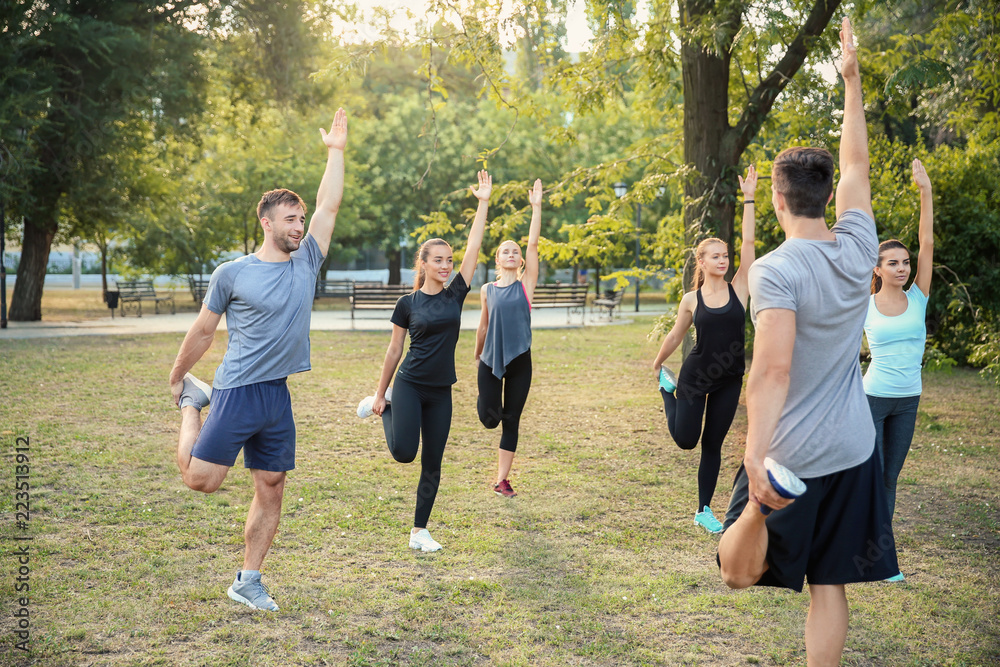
{"x": 508, "y": 334}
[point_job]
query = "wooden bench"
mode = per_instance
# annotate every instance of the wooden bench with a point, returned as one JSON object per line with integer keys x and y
{"x": 369, "y": 296}
{"x": 333, "y": 289}
{"x": 570, "y": 296}
{"x": 198, "y": 288}
{"x": 609, "y": 302}
{"x": 340, "y": 289}
{"x": 137, "y": 291}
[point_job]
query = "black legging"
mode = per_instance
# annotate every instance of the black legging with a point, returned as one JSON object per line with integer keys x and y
{"x": 684, "y": 421}
{"x": 513, "y": 386}
{"x": 417, "y": 409}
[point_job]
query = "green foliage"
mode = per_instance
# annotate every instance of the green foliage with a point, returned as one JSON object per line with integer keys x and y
{"x": 985, "y": 350}
{"x": 935, "y": 361}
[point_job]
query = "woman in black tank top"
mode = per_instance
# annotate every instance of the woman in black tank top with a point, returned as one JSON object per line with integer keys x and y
{"x": 711, "y": 377}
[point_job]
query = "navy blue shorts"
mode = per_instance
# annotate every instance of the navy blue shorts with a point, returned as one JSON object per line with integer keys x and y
{"x": 838, "y": 532}
{"x": 256, "y": 418}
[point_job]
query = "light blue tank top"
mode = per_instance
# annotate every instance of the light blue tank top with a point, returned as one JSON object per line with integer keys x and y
{"x": 508, "y": 334}
{"x": 897, "y": 347}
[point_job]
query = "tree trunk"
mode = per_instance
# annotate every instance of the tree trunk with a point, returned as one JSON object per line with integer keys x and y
{"x": 26, "y": 302}
{"x": 708, "y": 209}
{"x": 104, "y": 272}
{"x": 395, "y": 257}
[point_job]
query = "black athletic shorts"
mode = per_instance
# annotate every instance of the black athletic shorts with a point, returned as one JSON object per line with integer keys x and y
{"x": 838, "y": 532}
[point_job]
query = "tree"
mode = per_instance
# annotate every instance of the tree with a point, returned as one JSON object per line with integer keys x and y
{"x": 734, "y": 60}
{"x": 80, "y": 69}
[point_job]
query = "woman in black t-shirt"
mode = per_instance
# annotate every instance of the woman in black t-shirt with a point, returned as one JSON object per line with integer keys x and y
{"x": 421, "y": 395}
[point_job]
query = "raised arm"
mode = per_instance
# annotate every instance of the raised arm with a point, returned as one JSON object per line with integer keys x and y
{"x": 925, "y": 256}
{"x": 685, "y": 316}
{"x": 484, "y": 323}
{"x": 854, "y": 189}
{"x": 331, "y": 188}
{"x": 471, "y": 257}
{"x": 530, "y": 277}
{"x": 747, "y": 251}
{"x": 196, "y": 343}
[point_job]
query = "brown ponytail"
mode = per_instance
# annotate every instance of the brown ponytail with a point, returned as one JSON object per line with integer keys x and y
{"x": 885, "y": 245}
{"x": 418, "y": 265}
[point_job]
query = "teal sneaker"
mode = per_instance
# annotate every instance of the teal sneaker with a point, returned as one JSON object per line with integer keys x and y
{"x": 247, "y": 589}
{"x": 896, "y": 578}
{"x": 707, "y": 520}
{"x": 668, "y": 381}
{"x": 784, "y": 481}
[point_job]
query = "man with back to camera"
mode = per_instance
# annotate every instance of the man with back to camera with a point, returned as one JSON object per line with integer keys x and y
{"x": 809, "y": 434}
{"x": 267, "y": 298}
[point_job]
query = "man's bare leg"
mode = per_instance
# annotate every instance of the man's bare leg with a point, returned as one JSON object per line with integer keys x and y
{"x": 190, "y": 430}
{"x": 262, "y": 519}
{"x": 197, "y": 474}
{"x": 826, "y": 625}
{"x": 743, "y": 549}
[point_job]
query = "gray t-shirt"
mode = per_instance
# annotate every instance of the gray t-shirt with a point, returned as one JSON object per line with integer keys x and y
{"x": 825, "y": 425}
{"x": 508, "y": 333}
{"x": 268, "y": 306}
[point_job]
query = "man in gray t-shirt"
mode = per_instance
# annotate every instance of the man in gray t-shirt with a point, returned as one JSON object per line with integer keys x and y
{"x": 806, "y": 406}
{"x": 267, "y": 300}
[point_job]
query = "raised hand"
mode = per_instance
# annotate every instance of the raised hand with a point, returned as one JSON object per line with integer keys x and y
{"x": 749, "y": 184}
{"x": 849, "y": 53}
{"x": 336, "y": 138}
{"x": 485, "y": 187}
{"x": 535, "y": 194}
{"x": 920, "y": 176}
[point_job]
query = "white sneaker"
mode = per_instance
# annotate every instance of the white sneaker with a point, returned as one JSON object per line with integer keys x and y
{"x": 196, "y": 393}
{"x": 365, "y": 407}
{"x": 366, "y": 404}
{"x": 422, "y": 540}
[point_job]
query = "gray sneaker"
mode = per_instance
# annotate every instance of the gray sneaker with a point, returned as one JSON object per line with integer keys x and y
{"x": 247, "y": 589}
{"x": 196, "y": 393}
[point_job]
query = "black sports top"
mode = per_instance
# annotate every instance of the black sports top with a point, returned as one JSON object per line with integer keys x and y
{"x": 718, "y": 354}
{"x": 433, "y": 321}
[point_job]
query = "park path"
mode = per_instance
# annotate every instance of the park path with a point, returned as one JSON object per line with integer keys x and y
{"x": 324, "y": 320}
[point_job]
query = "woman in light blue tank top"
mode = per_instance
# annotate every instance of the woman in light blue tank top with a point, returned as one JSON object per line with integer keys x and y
{"x": 503, "y": 341}
{"x": 896, "y": 334}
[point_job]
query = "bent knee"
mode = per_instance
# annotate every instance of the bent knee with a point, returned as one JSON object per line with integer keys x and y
{"x": 202, "y": 483}
{"x": 739, "y": 581}
{"x": 686, "y": 444}
{"x": 404, "y": 457}
{"x": 489, "y": 422}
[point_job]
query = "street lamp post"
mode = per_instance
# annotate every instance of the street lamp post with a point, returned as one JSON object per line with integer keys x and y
{"x": 620, "y": 190}
{"x": 638, "y": 222}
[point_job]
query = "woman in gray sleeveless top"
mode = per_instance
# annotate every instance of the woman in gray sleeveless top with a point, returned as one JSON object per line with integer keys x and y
{"x": 503, "y": 341}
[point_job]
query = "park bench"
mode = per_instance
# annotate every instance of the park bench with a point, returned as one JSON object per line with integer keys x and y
{"x": 611, "y": 301}
{"x": 198, "y": 288}
{"x": 376, "y": 296}
{"x": 333, "y": 289}
{"x": 340, "y": 289}
{"x": 571, "y": 296}
{"x": 137, "y": 291}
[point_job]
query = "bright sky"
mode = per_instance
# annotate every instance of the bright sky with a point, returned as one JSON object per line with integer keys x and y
{"x": 578, "y": 34}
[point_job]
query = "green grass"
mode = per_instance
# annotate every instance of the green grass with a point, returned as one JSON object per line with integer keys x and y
{"x": 597, "y": 562}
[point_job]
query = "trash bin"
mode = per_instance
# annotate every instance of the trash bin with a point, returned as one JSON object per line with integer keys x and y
{"x": 111, "y": 297}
